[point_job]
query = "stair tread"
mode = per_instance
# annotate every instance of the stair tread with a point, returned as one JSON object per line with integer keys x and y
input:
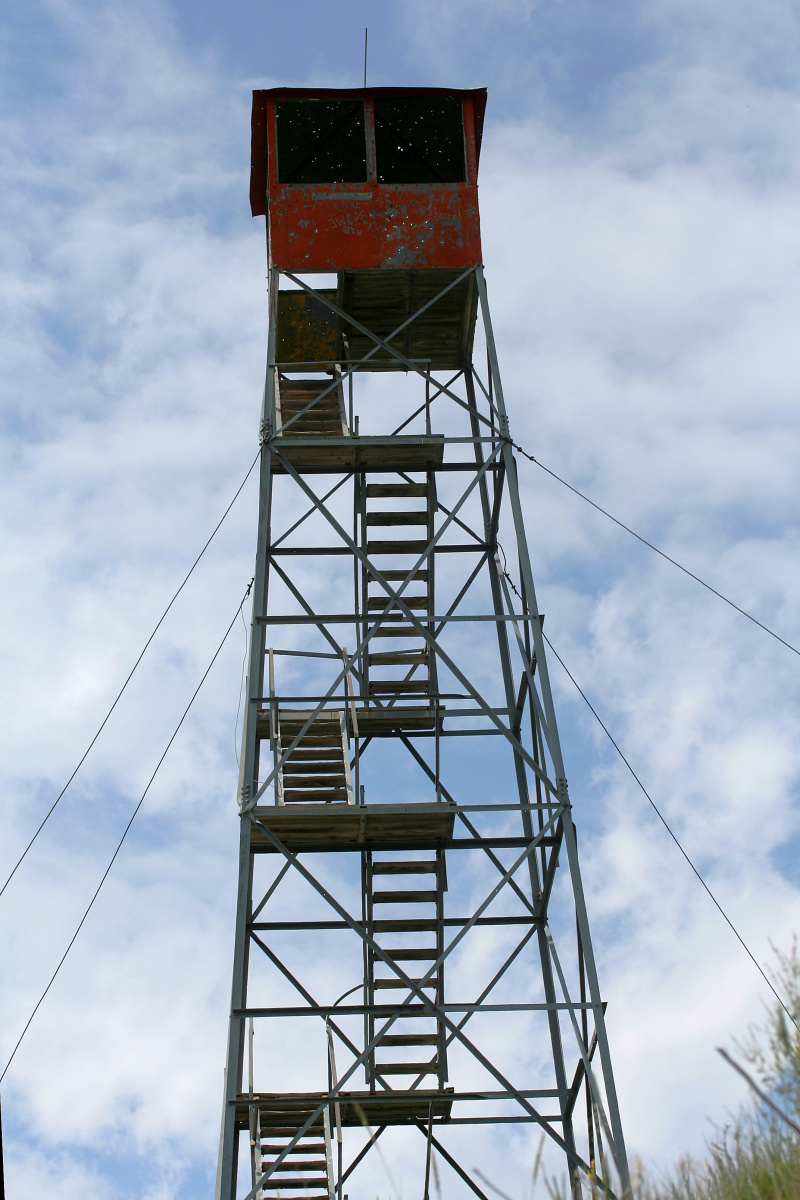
{"x": 309, "y": 1165}
{"x": 387, "y": 629}
{"x": 400, "y": 687}
{"x": 397, "y": 575}
{"x": 410, "y": 897}
{"x": 400, "y": 546}
{"x": 395, "y": 658}
{"x": 409, "y": 1039}
{"x": 378, "y": 603}
{"x": 293, "y": 795}
{"x": 327, "y": 779}
{"x": 394, "y": 985}
{"x": 304, "y": 767}
{"x": 300, "y": 1148}
{"x": 413, "y": 925}
{"x": 427, "y": 1068}
{"x": 403, "y": 955}
{"x": 396, "y": 489}
{"x": 404, "y": 866}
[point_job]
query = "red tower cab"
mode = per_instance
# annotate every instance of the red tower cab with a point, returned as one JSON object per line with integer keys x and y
{"x": 368, "y": 179}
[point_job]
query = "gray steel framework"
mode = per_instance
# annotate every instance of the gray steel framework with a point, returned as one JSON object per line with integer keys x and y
{"x": 520, "y": 838}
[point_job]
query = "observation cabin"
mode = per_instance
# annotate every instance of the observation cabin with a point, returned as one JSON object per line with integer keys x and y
{"x": 379, "y": 186}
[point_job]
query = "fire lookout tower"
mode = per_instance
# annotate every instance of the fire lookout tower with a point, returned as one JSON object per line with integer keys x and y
{"x": 389, "y": 851}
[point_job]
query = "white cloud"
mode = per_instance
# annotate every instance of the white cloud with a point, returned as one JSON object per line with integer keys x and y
{"x": 645, "y": 291}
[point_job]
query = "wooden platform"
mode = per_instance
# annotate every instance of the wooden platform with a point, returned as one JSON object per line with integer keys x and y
{"x": 381, "y": 301}
{"x": 387, "y": 722}
{"x": 280, "y": 1111}
{"x": 328, "y": 455}
{"x": 332, "y": 828}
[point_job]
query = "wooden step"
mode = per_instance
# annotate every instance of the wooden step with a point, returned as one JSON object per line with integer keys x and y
{"x": 398, "y": 658}
{"x": 397, "y": 518}
{"x": 404, "y": 867}
{"x": 381, "y": 602}
{"x": 400, "y": 546}
{"x": 387, "y": 629}
{"x": 406, "y": 1068}
{"x": 403, "y": 955}
{"x": 292, "y": 796}
{"x": 310, "y": 741}
{"x": 413, "y": 925}
{"x": 289, "y": 1131}
{"x": 273, "y": 1184}
{"x": 397, "y": 575}
{"x": 410, "y": 1039}
{"x": 292, "y": 767}
{"x": 308, "y": 1165}
{"x": 427, "y": 897}
{"x": 398, "y": 687}
{"x": 397, "y": 985}
{"x": 323, "y": 754}
{"x": 315, "y": 782}
{"x": 396, "y": 489}
{"x": 310, "y": 424}
{"x": 299, "y": 1148}
{"x": 318, "y": 729}
{"x": 322, "y": 404}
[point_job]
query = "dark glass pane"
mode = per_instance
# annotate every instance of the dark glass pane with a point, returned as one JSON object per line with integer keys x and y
{"x": 321, "y": 141}
{"x": 419, "y": 139}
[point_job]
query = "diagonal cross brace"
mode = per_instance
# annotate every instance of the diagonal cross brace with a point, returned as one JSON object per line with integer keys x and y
{"x": 380, "y": 344}
{"x": 525, "y": 661}
{"x": 415, "y": 621}
{"x": 393, "y": 596}
{"x": 426, "y": 1001}
{"x": 582, "y": 1049}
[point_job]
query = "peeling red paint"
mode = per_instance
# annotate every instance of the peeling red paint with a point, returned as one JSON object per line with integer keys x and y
{"x": 330, "y": 227}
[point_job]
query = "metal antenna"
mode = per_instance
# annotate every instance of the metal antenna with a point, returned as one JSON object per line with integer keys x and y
{"x": 366, "y": 32}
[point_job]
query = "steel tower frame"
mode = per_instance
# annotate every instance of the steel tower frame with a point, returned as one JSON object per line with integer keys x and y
{"x": 521, "y": 838}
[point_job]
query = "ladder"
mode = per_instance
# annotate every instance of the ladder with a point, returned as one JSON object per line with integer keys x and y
{"x": 398, "y": 676}
{"x": 412, "y": 891}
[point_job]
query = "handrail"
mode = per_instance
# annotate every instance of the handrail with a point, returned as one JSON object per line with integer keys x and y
{"x": 349, "y": 685}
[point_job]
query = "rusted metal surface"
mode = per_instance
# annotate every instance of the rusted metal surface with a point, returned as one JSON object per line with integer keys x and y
{"x": 366, "y": 224}
{"x": 307, "y": 330}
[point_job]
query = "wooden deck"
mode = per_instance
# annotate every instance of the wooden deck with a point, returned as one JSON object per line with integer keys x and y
{"x": 333, "y": 455}
{"x": 388, "y": 722}
{"x": 318, "y": 829}
{"x": 280, "y": 1111}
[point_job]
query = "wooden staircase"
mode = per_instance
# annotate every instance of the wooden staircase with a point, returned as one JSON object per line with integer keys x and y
{"x": 405, "y": 916}
{"x": 318, "y": 769}
{"x": 307, "y": 1171}
{"x": 325, "y": 418}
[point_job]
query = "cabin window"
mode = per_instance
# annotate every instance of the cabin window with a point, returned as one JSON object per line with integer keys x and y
{"x": 321, "y": 141}
{"x": 419, "y": 139}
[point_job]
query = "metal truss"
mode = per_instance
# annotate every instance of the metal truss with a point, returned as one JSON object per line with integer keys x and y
{"x": 313, "y": 835}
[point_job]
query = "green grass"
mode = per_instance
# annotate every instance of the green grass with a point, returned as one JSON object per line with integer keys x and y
{"x": 758, "y": 1156}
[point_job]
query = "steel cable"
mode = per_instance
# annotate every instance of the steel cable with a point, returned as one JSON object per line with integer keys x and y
{"x": 663, "y": 555}
{"x": 125, "y": 832}
{"x": 118, "y": 697}
{"x": 666, "y": 825}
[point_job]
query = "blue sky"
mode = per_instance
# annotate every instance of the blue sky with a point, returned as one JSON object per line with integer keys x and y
{"x": 639, "y": 197}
